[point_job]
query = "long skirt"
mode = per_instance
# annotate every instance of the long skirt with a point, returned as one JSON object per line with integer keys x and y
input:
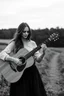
{"x": 30, "y": 84}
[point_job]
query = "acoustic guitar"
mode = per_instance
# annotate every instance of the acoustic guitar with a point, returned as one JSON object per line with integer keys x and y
{"x": 13, "y": 72}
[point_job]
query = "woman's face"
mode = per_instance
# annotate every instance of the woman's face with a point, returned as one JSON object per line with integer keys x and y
{"x": 25, "y": 33}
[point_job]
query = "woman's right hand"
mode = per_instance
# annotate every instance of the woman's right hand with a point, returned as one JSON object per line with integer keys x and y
{"x": 13, "y": 59}
{"x": 17, "y": 61}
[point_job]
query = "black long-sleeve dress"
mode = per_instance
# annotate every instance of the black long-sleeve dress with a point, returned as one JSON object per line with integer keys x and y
{"x": 30, "y": 84}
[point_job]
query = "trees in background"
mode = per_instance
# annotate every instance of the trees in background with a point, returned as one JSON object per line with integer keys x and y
{"x": 7, "y": 33}
{"x": 39, "y": 35}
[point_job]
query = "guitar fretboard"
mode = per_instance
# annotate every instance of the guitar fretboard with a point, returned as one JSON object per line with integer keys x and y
{"x": 31, "y": 53}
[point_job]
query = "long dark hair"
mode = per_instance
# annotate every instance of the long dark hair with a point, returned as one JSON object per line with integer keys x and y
{"x": 18, "y": 35}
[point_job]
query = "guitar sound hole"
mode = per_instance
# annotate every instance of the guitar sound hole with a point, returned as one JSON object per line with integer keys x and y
{"x": 22, "y": 59}
{"x": 22, "y": 66}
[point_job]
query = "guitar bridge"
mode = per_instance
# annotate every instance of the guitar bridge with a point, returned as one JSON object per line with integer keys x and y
{"x": 14, "y": 67}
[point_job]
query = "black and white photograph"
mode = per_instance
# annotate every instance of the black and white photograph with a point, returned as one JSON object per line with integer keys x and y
{"x": 31, "y": 47}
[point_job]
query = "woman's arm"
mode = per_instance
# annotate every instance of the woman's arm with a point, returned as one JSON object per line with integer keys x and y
{"x": 4, "y": 54}
{"x": 40, "y": 54}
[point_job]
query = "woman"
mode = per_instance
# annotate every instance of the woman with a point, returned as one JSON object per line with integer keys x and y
{"x": 30, "y": 84}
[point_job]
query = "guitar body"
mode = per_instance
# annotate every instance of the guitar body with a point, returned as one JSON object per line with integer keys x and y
{"x": 9, "y": 74}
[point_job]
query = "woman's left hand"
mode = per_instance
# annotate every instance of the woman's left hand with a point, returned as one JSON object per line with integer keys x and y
{"x": 43, "y": 48}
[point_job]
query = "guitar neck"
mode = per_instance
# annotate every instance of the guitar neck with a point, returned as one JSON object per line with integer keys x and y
{"x": 31, "y": 53}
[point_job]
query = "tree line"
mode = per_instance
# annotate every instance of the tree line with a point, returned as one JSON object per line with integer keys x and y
{"x": 38, "y": 35}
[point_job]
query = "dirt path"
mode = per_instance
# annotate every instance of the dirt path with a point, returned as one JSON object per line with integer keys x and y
{"x": 54, "y": 74}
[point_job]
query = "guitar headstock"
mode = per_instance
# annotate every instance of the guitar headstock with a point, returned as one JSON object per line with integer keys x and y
{"x": 54, "y": 37}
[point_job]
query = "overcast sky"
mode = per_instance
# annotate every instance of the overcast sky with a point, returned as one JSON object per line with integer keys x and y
{"x": 37, "y": 13}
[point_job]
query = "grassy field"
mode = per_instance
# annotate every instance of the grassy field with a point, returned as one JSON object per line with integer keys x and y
{"x": 54, "y": 84}
{"x": 5, "y": 41}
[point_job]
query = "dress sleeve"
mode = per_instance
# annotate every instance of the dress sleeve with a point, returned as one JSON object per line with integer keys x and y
{"x": 5, "y": 53}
